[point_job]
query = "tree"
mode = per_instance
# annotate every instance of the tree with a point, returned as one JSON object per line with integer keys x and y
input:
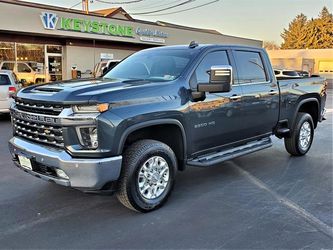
{"x": 295, "y": 36}
{"x": 316, "y": 33}
{"x": 271, "y": 45}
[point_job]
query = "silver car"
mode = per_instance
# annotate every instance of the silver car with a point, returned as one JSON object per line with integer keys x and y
{"x": 8, "y": 87}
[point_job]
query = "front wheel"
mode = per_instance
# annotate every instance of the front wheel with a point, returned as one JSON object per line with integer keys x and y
{"x": 300, "y": 141}
{"x": 147, "y": 175}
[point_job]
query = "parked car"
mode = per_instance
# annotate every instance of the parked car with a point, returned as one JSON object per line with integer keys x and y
{"x": 303, "y": 73}
{"x": 157, "y": 112}
{"x": 23, "y": 71}
{"x": 8, "y": 86}
{"x": 104, "y": 66}
{"x": 286, "y": 73}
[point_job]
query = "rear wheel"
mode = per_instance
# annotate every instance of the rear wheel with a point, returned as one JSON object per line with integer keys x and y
{"x": 147, "y": 175}
{"x": 300, "y": 141}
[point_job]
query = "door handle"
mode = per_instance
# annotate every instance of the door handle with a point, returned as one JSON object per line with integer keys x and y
{"x": 235, "y": 97}
{"x": 273, "y": 92}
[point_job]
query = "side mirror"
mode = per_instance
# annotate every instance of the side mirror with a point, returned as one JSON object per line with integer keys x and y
{"x": 220, "y": 80}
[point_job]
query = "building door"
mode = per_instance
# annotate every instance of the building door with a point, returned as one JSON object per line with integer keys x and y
{"x": 54, "y": 66}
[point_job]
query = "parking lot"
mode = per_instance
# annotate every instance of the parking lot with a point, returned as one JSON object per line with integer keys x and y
{"x": 264, "y": 200}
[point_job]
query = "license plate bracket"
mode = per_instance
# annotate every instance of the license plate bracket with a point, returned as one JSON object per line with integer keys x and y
{"x": 25, "y": 162}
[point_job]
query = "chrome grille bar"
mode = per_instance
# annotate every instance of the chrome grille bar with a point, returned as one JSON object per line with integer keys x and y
{"x": 38, "y": 107}
{"x": 40, "y": 133}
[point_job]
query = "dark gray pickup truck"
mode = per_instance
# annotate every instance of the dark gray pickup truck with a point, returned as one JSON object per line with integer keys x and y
{"x": 157, "y": 112}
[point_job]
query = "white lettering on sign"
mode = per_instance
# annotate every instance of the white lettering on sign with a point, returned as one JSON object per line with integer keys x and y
{"x": 152, "y": 39}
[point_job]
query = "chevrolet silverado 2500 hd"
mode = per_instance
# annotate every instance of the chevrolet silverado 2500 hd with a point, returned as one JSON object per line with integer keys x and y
{"x": 155, "y": 113}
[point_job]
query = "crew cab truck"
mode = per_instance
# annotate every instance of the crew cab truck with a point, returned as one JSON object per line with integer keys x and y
{"x": 158, "y": 112}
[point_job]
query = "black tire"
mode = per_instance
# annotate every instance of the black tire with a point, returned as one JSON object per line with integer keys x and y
{"x": 134, "y": 158}
{"x": 292, "y": 143}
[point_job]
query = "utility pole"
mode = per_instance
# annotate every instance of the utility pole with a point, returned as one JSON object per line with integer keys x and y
{"x": 85, "y": 6}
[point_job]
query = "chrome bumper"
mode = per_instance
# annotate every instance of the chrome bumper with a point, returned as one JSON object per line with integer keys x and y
{"x": 86, "y": 174}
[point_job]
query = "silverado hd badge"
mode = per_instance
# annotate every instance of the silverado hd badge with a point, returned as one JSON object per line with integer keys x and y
{"x": 34, "y": 118}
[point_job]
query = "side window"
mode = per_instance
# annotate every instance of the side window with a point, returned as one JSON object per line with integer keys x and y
{"x": 7, "y": 66}
{"x": 211, "y": 59}
{"x": 250, "y": 67}
{"x": 23, "y": 68}
{"x": 4, "y": 80}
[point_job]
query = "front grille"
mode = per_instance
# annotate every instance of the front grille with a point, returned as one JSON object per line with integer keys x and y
{"x": 46, "y": 134}
{"x": 38, "y": 108}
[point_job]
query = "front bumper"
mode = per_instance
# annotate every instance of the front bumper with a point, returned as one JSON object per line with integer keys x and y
{"x": 85, "y": 174}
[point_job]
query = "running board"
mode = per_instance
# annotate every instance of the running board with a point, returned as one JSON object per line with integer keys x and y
{"x": 218, "y": 157}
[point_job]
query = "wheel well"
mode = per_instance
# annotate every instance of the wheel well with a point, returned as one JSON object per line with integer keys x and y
{"x": 312, "y": 109}
{"x": 169, "y": 134}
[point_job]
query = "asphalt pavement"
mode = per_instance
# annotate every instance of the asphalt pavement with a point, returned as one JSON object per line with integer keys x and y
{"x": 266, "y": 200}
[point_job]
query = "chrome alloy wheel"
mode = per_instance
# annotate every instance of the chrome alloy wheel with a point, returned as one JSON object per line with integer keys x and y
{"x": 153, "y": 177}
{"x": 305, "y": 136}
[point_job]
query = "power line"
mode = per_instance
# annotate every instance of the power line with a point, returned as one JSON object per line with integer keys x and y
{"x": 179, "y": 11}
{"x": 75, "y": 5}
{"x": 159, "y": 4}
{"x": 125, "y": 2}
{"x": 168, "y": 8}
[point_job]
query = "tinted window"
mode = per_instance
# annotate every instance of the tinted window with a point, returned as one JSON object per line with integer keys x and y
{"x": 8, "y": 66}
{"x": 290, "y": 73}
{"x": 276, "y": 72}
{"x": 153, "y": 65}
{"x": 212, "y": 59}
{"x": 250, "y": 67}
{"x": 4, "y": 80}
{"x": 23, "y": 68}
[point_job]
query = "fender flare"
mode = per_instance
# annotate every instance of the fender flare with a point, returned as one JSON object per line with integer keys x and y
{"x": 145, "y": 124}
{"x": 312, "y": 99}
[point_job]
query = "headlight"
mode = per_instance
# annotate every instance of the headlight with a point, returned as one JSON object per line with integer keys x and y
{"x": 98, "y": 108}
{"x": 88, "y": 137}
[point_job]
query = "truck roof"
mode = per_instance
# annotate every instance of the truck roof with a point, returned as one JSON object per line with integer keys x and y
{"x": 205, "y": 46}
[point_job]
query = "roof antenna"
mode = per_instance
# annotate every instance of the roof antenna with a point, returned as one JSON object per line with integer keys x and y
{"x": 193, "y": 45}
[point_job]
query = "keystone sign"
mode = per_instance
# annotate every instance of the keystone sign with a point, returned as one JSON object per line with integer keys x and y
{"x": 52, "y": 21}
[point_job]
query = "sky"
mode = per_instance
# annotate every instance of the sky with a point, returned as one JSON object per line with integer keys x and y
{"x": 257, "y": 19}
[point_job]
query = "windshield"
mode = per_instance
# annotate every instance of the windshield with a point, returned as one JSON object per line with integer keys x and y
{"x": 153, "y": 65}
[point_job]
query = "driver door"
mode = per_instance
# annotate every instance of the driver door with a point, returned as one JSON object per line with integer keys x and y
{"x": 216, "y": 120}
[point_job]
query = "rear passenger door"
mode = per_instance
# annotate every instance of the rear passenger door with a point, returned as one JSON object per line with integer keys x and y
{"x": 260, "y": 100}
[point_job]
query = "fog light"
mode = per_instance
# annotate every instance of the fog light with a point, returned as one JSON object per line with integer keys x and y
{"x": 88, "y": 137}
{"x": 62, "y": 174}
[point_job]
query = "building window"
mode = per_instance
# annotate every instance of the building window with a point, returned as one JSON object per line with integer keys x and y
{"x": 34, "y": 63}
{"x": 7, "y": 51}
{"x": 54, "y": 49}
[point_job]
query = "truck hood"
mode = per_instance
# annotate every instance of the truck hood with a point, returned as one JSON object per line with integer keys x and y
{"x": 84, "y": 91}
